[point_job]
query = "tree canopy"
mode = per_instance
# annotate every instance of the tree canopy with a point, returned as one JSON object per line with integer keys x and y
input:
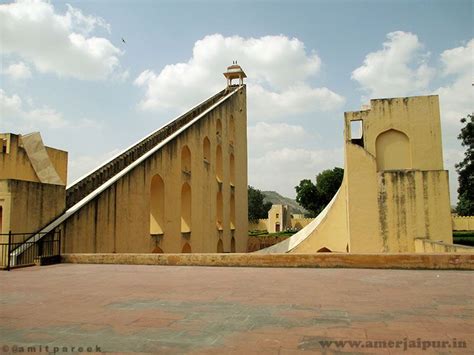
{"x": 314, "y": 197}
{"x": 258, "y": 209}
{"x": 465, "y": 169}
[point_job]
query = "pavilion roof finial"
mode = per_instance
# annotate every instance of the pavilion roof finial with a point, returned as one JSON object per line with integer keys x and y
{"x": 235, "y": 72}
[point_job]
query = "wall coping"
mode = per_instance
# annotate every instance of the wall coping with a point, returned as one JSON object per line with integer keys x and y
{"x": 432, "y": 261}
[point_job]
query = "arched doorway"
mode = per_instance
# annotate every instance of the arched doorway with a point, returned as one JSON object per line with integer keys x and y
{"x": 186, "y": 248}
{"x": 220, "y": 246}
{"x": 157, "y": 250}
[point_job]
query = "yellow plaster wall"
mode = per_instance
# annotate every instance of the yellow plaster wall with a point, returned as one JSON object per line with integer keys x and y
{"x": 389, "y": 208}
{"x": 300, "y": 223}
{"x": 15, "y": 164}
{"x": 118, "y": 220}
{"x": 27, "y": 206}
{"x": 259, "y": 225}
{"x": 417, "y": 117}
{"x": 431, "y": 246}
{"x": 262, "y": 224}
{"x": 463, "y": 223}
{"x": 394, "y": 188}
{"x": 332, "y": 232}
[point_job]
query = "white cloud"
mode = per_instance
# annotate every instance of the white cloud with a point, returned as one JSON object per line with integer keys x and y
{"x": 399, "y": 69}
{"x": 284, "y": 168}
{"x": 18, "y": 71}
{"x": 18, "y": 116}
{"x": 269, "y": 136}
{"x": 457, "y": 98}
{"x": 56, "y": 43}
{"x": 278, "y": 70}
{"x": 299, "y": 99}
{"x": 80, "y": 165}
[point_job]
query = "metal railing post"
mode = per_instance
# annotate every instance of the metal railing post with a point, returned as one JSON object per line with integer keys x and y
{"x": 8, "y": 248}
{"x": 59, "y": 245}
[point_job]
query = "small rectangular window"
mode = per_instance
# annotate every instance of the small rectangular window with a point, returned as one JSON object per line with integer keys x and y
{"x": 357, "y": 132}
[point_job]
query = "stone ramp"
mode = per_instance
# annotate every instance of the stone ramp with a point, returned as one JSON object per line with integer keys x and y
{"x": 82, "y": 187}
{"x": 327, "y": 232}
{"x": 85, "y": 189}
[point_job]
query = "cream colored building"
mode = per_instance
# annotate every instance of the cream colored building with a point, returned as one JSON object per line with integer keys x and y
{"x": 32, "y": 183}
{"x": 279, "y": 219}
{"x": 394, "y": 197}
{"x": 181, "y": 189}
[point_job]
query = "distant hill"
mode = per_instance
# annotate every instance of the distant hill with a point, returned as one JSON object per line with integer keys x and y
{"x": 276, "y": 199}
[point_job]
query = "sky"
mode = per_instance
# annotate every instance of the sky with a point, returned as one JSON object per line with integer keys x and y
{"x": 66, "y": 72}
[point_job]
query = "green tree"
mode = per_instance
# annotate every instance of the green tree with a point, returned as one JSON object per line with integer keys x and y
{"x": 257, "y": 207}
{"x": 314, "y": 197}
{"x": 465, "y": 169}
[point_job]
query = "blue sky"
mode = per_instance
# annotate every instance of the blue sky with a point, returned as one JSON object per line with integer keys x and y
{"x": 66, "y": 72}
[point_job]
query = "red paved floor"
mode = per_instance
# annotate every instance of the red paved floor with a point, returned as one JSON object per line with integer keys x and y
{"x": 235, "y": 310}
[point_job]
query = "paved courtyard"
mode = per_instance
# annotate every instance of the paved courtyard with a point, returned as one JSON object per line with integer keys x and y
{"x": 165, "y": 309}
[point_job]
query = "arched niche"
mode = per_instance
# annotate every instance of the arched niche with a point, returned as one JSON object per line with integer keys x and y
{"x": 206, "y": 150}
{"x": 185, "y": 208}
{"x": 232, "y": 211}
{"x": 157, "y": 205}
{"x": 324, "y": 250}
{"x": 186, "y": 159}
{"x": 218, "y": 127}
{"x": 220, "y": 246}
{"x": 392, "y": 151}
{"x": 231, "y": 130}
{"x": 219, "y": 163}
{"x": 219, "y": 210}
{"x": 232, "y": 169}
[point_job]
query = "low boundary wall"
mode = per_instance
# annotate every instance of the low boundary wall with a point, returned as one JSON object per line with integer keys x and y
{"x": 446, "y": 261}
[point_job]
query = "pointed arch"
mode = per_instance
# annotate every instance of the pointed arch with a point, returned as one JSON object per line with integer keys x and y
{"x": 186, "y": 159}
{"x": 186, "y": 249}
{"x": 231, "y": 130}
{"x": 157, "y": 205}
{"x": 157, "y": 250}
{"x": 219, "y": 211}
{"x": 218, "y": 127}
{"x": 232, "y": 211}
{"x": 185, "y": 208}
{"x": 219, "y": 163}
{"x": 232, "y": 169}
{"x": 206, "y": 149}
{"x": 220, "y": 246}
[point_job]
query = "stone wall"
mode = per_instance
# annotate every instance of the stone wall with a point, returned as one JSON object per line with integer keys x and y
{"x": 461, "y": 223}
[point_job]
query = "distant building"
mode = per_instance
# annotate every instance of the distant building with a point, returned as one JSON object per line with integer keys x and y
{"x": 279, "y": 219}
